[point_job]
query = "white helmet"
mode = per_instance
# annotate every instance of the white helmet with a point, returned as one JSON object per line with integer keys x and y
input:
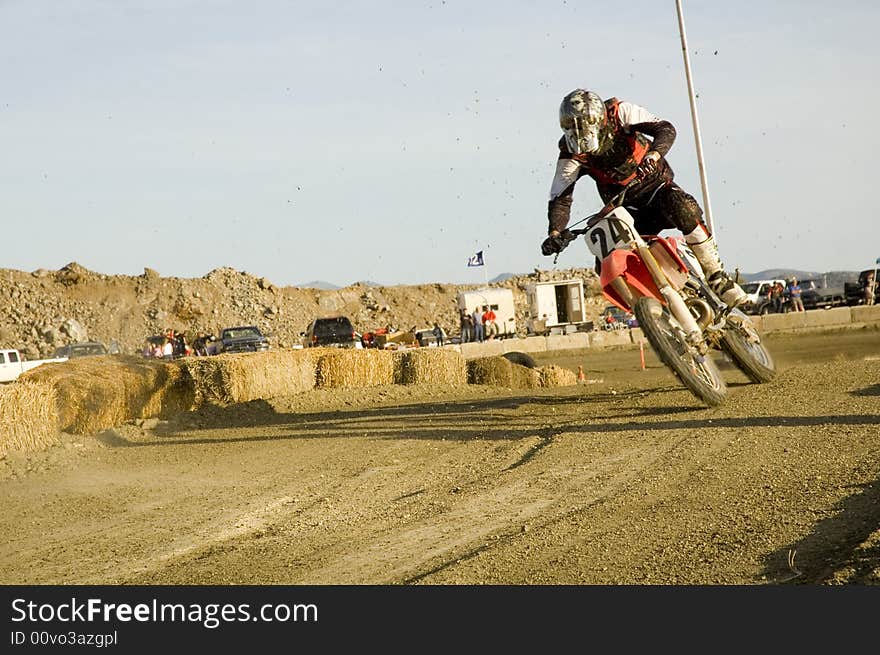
{"x": 581, "y": 115}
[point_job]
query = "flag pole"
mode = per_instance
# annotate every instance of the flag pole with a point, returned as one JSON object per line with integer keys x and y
{"x": 690, "y": 84}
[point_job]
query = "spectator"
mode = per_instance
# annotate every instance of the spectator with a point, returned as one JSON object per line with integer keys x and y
{"x": 467, "y": 323}
{"x": 777, "y": 292}
{"x": 794, "y": 295}
{"x": 199, "y": 345}
{"x": 490, "y": 327}
{"x": 870, "y": 289}
{"x": 168, "y": 349}
{"x": 477, "y": 318}
{"x": 438, "y": 334}
{"x": 180, "y": 347}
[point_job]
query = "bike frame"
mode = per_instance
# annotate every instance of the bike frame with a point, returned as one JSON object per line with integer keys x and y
{"x": 634, "y": 266}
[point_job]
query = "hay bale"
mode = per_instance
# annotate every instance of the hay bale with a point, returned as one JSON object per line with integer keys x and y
{"x": 523, "y": 377}
{"x": 556, "y": 376}
{"x": 28, "y": 416}
{"x": 430, "y": 365}
{"x": 96, "y": 393}
{"x": 349, "y": 367}
{"x": 501, "y": 372}
{"x": 242, "y": 377}
{"x": 493, "y": 371}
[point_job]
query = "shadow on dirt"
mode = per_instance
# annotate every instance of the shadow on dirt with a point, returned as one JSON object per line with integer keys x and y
{"x": 833, "y": 546}
{"x": 873, "y": 390}
{"x": 461, "y": 420}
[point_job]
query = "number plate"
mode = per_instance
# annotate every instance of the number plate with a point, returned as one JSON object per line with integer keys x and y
{"x": 613, "y": 231}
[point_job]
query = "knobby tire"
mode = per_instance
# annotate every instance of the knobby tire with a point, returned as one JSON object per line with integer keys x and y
{"x": 699, "y": 374}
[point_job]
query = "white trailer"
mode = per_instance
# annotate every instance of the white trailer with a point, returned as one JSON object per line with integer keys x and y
{"x": 555, "y": 305}
{"x": 501, "y": 302}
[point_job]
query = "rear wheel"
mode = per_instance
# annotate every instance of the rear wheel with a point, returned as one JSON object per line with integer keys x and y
{"x": 696, "y": 371}
{"x": 742, "y": 343}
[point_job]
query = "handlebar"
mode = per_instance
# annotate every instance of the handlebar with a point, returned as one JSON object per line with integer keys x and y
{"x": 613, "y": 202}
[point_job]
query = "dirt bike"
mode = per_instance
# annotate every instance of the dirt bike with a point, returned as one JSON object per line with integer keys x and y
{"x": 661, "y": 281}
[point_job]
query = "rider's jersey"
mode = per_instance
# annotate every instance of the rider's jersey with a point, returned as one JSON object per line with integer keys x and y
{"x": 621, "y": 150}
{"x": 623, "y": 143}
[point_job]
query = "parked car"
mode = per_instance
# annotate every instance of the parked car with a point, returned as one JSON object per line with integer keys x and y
{"x": 814, "y": 295}
{"x": 614, "y": 318}
{"x": 334, "y": 331}
{"x": 854, "y": 292}
{"x": 758, "y": 296}
{"x": 13, "y": 364}
{"x": 425, "y": 337}
{"x": 83, "y": 349}
{"x": 243, "y": 339}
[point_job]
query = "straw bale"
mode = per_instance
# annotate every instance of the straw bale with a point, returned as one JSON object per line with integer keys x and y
{"x": 494, "y": 371}
{"x": 28, "y": 416}
{"x": 523, "y": 377}
{"x": 501, "y": 372}
{"x": 96, "y": 393}
{"x": 349, "y": 367}
{"x": 430, "y": 365}
{"x": 556, "y": 376}
{"x": 242, "y": 377}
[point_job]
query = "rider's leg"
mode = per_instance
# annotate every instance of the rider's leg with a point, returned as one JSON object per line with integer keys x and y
{"x": 703, "y": 245}
{"x": 684, "y": 211}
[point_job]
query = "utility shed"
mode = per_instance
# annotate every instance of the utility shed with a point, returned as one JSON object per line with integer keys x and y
{"x": 555, "y": 304}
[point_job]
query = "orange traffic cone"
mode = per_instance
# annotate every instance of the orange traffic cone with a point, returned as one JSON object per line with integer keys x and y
{"x": 581, "y": 378}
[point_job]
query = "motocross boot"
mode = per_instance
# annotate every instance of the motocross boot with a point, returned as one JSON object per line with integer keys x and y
{"x": 719, "y": 281}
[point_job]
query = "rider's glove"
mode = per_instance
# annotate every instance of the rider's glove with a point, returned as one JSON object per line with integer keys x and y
{"x": 648, "y": 165}
{"x": 556, "y": 243}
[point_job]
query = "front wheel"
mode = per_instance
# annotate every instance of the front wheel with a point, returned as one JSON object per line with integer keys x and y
{"x": 740, "y": 340}
{"x": 696, "y": 371}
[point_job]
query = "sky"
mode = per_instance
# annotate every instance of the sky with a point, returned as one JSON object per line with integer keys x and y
{"x": 389, "y": 141}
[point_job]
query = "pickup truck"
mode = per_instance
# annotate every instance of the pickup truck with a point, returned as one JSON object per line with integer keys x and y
{"x": 757, "y": 296}
{"x": 815, "y": 296}
{"x": 12, "y": 364}
{"x": 855, "y": 291}
{"x": 243, "y": 339}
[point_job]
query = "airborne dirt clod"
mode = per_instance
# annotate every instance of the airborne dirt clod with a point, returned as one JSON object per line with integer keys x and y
{"x": 629, "y": 480}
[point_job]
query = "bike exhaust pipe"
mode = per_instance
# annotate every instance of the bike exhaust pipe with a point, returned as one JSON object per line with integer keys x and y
{"x": 702, "y": 312}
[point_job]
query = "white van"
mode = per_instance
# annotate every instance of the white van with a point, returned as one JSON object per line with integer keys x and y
{"x": 757, "y": 296}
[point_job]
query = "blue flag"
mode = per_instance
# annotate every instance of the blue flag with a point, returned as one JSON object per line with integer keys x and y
{"x": 476, "y": 260}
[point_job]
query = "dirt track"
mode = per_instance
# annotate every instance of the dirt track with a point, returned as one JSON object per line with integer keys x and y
{"x": 624, "y": 480}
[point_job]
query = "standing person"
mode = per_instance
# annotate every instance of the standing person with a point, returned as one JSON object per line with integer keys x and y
{"x": 794, "y": 295}
{"x": 466, "y": 325}
{"x": 616, "y": 143}
{"x": 870, "y": 289}
{"x": 477, "y": 318}
{"x": 777, "y": 291}
{"x": 438, "y": 334}
{"x": 490, "y": 328}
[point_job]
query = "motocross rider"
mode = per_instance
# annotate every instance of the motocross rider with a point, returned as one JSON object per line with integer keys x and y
{"x": 609, "y": 142}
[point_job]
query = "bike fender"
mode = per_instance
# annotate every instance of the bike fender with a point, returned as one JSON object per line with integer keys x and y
{"x": 629, "y": 266}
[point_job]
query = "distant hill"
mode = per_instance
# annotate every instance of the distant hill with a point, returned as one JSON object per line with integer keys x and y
{"x": 503, "y": 276}
{"x": 319, "y": 284}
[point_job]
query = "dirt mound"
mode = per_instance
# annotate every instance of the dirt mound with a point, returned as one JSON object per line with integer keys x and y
{"x": 47, "y": 309}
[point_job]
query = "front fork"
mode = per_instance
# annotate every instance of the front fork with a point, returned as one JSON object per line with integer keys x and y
{"x": 674, "y": 301}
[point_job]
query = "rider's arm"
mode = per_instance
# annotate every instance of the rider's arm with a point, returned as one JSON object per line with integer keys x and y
{"x": 639, "y": 119}
{"x": 559, "y": 207}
